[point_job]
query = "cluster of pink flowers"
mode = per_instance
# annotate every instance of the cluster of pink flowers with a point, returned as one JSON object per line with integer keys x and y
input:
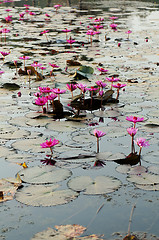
{"x": 141, "y": 142}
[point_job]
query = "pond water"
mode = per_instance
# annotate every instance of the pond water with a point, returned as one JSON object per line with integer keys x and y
{"x": 23, "y": 127}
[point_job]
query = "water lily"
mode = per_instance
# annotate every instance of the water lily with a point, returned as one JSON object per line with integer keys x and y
{"x": 118, "y": 86}
{"x": 141, "y": 142}
{"x": 4, "y": 54}
{"x": 92, "y": 89}
{"x": 42, "y": 68}
{"x": 49, "y": 144}
{"x": 113, "y": 18}
{"x": 113, "y": 26}
{"x": 70, "y": 41}
{"x": 24, "y": 58}
{"x": 132, "y": 132}
{"x": 45, "y": 89}
{"x": 71, "y": 87}
{"x": 41, "y": 101}
{"x": 134, "y": 119}
{"x": 53, "y": 66}
{"x": 44, "y": 32}
{"x": 66, "y": 31}
{"x": 57, "y": 6}
{"x": 98, "y": 134}
{"x": 101, "y": 84}
{"x": 102, "y": 70}
{"x": 58, "y": 91}
{"x": 128, "y": 32}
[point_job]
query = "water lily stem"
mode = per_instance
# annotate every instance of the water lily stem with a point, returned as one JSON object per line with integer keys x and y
{"x": 97, "y": 145}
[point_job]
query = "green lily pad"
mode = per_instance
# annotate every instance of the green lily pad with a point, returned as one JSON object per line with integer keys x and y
{"x": 44, "y": 174}
{"x": 45, "y": 195}
{"x": 100, "y": 185}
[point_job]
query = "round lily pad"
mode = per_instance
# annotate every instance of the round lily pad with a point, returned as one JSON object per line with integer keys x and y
{"x": 44, "y": 174}
{"x": 144, "y": 178}
{"x": 100, "y": 185}
{"x": 108, "y": 113}
{"x": 5, "y": 151}
{"x": 137, "y": 170}
{"x": 35, "y": 195}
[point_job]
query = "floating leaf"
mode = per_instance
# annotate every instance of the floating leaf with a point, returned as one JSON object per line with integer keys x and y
{"x": 144, "y": 178}
{"x": 8, "y": 188}
{"x": 44, "y": 174}
{"x": 100, "y": 185}
{"x": 154, "y": 169}
{"x": 11, "y": 86}
{"x": 45, "y": 195}
{"x": 65, "y": 232}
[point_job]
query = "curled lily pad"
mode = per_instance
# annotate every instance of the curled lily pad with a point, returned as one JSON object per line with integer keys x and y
{"x": 8, "y": 187}
{"x": 44, "y": 174}
{"x": 45, "y": 195}
{"x": 100, "y": 185}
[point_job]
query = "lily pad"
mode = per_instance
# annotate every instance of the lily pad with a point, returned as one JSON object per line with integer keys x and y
{"x": 144, "y": 178}
{"x": 45, "y": 195}
{"x": 64, "y": 232}
{"x": 44, "y": 174}
{"x": 11, "y": 86}
{"x": 100, "y": 185}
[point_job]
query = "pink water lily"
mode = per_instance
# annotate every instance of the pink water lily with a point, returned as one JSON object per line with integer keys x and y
{"x": 4, "y": 54}
{"x": 49, "y": 144}
{"x": 118, "y": 86}
{"x": 45, "y": 89}
{"x": 58, "y": 91}
{"x": 134, "y": 119}
{"x": 113, "y": 18}
{"x": 66, "y": 31}
{"x": 132, "y": 132}
{"x": 113, "y": 26}
{"x": 57, "y": 6}
{"x": 71, "y": 87}
{"x": 41, "y": 101}
{"x": 44, "y": 32}
{"x": 24, "y": 58}
{"x": 141, "y": 142}
{"x": 101, "y": 84}
{"x": 70, "y": 41}
{"x": 98, "y": 134}
{"x": 102, "y": 70}
{"x": 128, "y": 32}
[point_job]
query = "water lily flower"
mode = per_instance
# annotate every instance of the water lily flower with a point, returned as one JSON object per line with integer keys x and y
{"x": 118, "y": 86}
{"x": 112, "y": 79}
{"x": 47, "y": 15}
{"x": 45, "y": 89}
{"x": 113, "y": 18}
{"x": 26, "y": 6}
{"x": 49, "y": 144}
{"x": 101, "y": 84}
{"x": 128, "y": 32}
{"x": 44, "y": 32}
{"x": 132, "y": 132}
{"x": 70, "y": 41}
{"x": 4, "y": 54}
{"x": 99, "y": 19}
{"x": 141, "y": 142}
{"x": 113, "y": 26}
{"x": 82, "y": 87}
{"x": 42, "y": 68}
{"x": 1, "y": 72}
{"x": 71, "y": 87}
{"x": 8, "y": 19}
{"x": 91, "y": 33}
{"x": 41, "y": 101}
{"x": 98, "y": 26}
{"x": 66, "y": 31}
{"x": 37, "y": 94}
{"x": 24, "y": 58}
{"x": 58, "y": 91}
{"x": 134, "y": 119}
{"x": 98, "y": 134}
{"x": 57, "y": 6}
{"x": 102, "y": 70}
{"x": 5, "y": 30}
{"x": 53, "y": 66}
